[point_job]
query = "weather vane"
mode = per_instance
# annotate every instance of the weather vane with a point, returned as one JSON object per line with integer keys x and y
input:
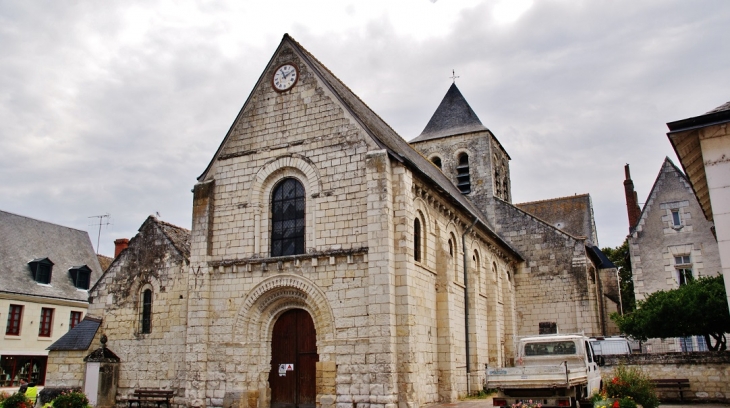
{"x": 453, "y": 75}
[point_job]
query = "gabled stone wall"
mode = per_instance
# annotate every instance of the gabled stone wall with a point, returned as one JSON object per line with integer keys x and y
{"x": 557, "y": 284}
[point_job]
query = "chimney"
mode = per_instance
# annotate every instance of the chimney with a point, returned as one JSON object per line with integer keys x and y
{"x": 120, "y": 245}
{"x": 632, "y": 202}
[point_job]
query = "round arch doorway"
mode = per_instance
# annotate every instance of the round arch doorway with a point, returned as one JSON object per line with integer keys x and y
{"x": 293, "y": 345}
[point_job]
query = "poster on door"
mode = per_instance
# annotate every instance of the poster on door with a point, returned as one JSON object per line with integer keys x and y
{"x": 283, "y": 368}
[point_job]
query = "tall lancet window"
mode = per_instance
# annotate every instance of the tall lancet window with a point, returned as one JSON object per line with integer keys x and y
{"x": 146, "y": 316}
{"x": 287, "y": 218}
{"x": 463, "y": 181}
{"x": 417, "y": 239}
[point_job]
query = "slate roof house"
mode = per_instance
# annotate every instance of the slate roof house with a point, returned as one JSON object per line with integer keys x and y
{"x": 45, "y": 273}
{"x": 333, "y": 264}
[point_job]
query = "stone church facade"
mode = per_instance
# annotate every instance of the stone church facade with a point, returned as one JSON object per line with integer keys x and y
{"x": 332, "y": 264}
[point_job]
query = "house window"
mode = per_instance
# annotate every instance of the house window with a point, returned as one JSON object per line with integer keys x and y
{"x": 676, "y": 220}
{"x": 287, "y": 218}
{"x": 463, "y": 181}
{"x": 81, "y": 276}
{"x": 44, "y": 328}
{"x": 14, "y": 315}
{"x": 42, "y": 269}
{"x": 683, "y": 265}
{"x": 147, "y": 311}
{"x": 74, "y": 320}
{"x": 436, "y": 161}
{"x": 417, "y": 239}
{"x": 13, "y": 368}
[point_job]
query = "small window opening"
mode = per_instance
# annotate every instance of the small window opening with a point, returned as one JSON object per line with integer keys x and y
{"x": 74, "y": 319}
{"x": 683, "y": 264}
{"x": 44, "y": 328}
{"x": 463, "y": 180}
{"x": 417, "y": 239}
{"x": 436, "y": 161}
{"x": 676, "y": 220}
{"x": 14, "y": 315}
{"x": 147, "y": 311}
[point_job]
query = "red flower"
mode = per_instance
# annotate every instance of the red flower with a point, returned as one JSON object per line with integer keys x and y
{"x": 615, "y": 404}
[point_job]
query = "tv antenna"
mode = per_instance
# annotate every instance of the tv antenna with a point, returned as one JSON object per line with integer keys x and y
{"x": 104, "y": 220}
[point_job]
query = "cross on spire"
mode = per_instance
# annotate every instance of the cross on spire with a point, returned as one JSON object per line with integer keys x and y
{"x": 453, "y": 75}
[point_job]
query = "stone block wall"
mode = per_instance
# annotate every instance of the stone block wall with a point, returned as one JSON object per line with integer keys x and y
{"x": 555, "y": 285}
{"x": 708, "y": 373}
{"x": 656, "y": 241}
{"x": 389, "y": 324}
{"x": 66, "y": 368}
{"x": 155, "y": 359}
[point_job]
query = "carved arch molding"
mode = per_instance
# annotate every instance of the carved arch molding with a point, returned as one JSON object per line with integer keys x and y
{"x": 272, "y": 297}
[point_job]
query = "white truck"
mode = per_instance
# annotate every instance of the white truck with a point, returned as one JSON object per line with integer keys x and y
{"x": 554, "y": 370}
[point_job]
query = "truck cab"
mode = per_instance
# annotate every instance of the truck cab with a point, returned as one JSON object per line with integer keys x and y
{"x": 553, "y": 370}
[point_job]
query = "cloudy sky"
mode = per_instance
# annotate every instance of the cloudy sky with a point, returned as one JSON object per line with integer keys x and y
{"x": 117, "y": 107}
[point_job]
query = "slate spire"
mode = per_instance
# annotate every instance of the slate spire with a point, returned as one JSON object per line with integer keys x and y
{"x": 454, "y": 116}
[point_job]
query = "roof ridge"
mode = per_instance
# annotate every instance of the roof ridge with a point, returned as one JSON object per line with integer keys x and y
{"x": 160, "y": 223}
{"x": 554, "y": 199}
{"x": 577, "y": 238}
{"x": 43, "y": 221}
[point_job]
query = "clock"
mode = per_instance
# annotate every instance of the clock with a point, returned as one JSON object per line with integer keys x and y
{"x": 285, "y": 77}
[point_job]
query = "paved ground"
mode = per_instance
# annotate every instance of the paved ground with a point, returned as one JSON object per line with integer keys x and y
{"x": 487, "y": 403}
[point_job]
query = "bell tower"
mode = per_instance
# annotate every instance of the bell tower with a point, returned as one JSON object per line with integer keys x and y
{"x": 457, "y": 142}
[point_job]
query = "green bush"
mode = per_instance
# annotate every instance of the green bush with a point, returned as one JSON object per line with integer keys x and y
{"x": 17, "y": 400}
{"x": 73, "y": 399}
{"x": 630, "y": 382}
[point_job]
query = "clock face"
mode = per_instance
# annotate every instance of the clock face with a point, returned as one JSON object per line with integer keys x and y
{"x": 285, "y": 77}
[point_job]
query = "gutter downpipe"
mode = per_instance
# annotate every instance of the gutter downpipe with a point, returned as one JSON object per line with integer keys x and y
{"x": 466, "y": 304}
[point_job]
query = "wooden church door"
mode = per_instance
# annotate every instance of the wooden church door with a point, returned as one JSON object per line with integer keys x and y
{"x": 293, "y": 357}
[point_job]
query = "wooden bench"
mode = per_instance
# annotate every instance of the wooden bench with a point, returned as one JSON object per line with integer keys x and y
{"x": 150, "y": 395}
{"x": 676, "y": 384}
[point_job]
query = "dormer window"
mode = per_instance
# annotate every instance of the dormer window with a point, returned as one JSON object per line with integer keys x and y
{"x": 81, "y": 276}
{"x": 42, "y": 269}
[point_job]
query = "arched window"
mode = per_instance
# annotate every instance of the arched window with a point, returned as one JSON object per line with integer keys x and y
{"x": 287, "y": 218}
{"x": 417, "y": 239}
{"x": 451, "y": 248}
{"x": 463, "y": 181}
{"x": 146, "y": 315}
{"x": 436, "y": 161}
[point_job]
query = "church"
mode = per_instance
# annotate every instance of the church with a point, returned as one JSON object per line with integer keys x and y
{"x": 333, "y": 264}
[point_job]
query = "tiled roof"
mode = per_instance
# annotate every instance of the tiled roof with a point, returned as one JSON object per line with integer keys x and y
{"x": 104, "y": 261}
{"x": 453, "y": 116}
{"x": 25, "y": 239}
{"x": 180, "y": 237}
{"x": 722, "y": 108}
{"x": 572, "y": 214}
{"x": 78, "y": 338}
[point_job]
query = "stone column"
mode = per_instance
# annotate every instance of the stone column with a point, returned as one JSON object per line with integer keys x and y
{"x": 381, "y": 360}
{"x": 196, "y": 349}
